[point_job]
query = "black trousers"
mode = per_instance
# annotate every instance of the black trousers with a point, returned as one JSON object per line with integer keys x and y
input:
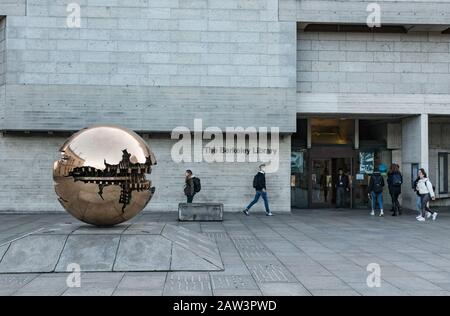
{"x": 190, "y": 198}
{"x": 425, "y": 198}
{"x": 395, "y": 193}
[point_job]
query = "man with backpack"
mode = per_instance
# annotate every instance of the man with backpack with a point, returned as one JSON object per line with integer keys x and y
{"x": 192, "y": 186}
{"x": 376, "y": 185}
{"x": 259, "y": 183}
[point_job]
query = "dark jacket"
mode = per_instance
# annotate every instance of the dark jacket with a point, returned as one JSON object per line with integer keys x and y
{"x": 189, "y": 187}
{"x": 342, "y": 181}
{"x": 415, "y": 186}
{"x": 259, "y": 181}
{"x": 376, "y": 178}
{"x": 390, "y": 181}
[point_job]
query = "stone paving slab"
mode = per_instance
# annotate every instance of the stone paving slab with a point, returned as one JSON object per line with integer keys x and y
{"x": 180, "y": 284}
{"x": 184, "y": 259}
{"x": 143, "y": 253}
{"x": 145, "y": 228}
{"x": 92, "y": 255}
{"x": 127, "y": 247}
{"x": 143, "y": 281}
{"x": 3, "y": 250}
{"x": 233, "y": 282}
{"x": 324, "y": 252}
{"x": 202, "y": 246}
{"x": 283, "y": 289}
{"x": 38, "y": 253}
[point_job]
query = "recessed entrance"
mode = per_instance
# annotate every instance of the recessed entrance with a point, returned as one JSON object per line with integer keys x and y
{"x": 322, "y": 146}
{"x": 324, "y": 166}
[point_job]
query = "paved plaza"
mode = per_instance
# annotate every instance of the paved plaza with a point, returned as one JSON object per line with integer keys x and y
{"x": 308, "y": 252}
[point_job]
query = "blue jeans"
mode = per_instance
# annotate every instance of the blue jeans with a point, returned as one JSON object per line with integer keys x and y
{"x": 255, "y": 200}
{"x": 377, "y": 197}
{"x": 419, "y": 204}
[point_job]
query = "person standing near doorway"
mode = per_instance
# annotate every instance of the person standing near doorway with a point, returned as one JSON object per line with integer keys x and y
{"x": 259, "y": 183}
{"x": 342, "y": 187}
{"x": 426, "y": 191}
{"x": 376, "y": 185}
{"x": 395, "y": 181}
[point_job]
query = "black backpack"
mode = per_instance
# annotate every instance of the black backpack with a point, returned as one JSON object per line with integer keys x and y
{"x": 197, "y": 184}
{"x": 377, "y": 184}
{"x": 397, "y": 179}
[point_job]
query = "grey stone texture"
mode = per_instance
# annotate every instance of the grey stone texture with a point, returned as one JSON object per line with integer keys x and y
{"x": 54, "y": 249}
{"x": 33, "y": 253}
{"x": 32, "y": 158}
{"x": 158, "y": 56}
{"x": 200, "y": 212}
{"x": 420, "y": 12}
{"x": 156, "y": 65}
{"x": 319, "y": 252}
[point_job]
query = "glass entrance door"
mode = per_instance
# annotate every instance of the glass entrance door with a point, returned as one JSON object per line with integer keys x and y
{"x": 323, "y": 180}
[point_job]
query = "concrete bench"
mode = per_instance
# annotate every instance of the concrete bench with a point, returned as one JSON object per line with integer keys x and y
{"x": 200, "y": 212}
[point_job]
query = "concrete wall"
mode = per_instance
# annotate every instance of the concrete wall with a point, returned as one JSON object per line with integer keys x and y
{"x": 2, "y": 51}
{"x": 200, "y": 49}
{"x": 426, "y": 12}
{"x": 12, "y": 7}
{"x": 373, "y": 73}
{"x": 27, "y": 184}
{"x": 2, "y": 68}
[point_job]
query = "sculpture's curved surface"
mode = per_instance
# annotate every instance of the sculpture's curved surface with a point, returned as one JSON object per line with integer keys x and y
{"x": 101, "y": 176}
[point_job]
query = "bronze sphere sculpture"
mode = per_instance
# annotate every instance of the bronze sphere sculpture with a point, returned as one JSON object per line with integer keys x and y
{"x": 101, "y": 176}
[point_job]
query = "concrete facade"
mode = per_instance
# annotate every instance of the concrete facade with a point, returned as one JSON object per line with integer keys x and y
{"x": 27, "y": 164}
{"x": 159, "y": 56}
{"x": 155, "y": 65}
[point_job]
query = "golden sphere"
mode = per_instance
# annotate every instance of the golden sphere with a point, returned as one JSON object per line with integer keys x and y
{"x": 101, "y": 176}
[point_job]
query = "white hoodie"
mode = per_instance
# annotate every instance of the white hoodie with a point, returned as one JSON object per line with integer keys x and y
{"x": 424, "y": 186}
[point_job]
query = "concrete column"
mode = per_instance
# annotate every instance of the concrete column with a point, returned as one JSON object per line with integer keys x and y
{"x": 414, "y": 151}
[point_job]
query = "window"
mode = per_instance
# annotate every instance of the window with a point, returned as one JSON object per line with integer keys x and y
{"x": 443, "y": 173}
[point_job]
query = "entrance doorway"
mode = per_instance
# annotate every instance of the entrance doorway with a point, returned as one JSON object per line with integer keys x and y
{"x": 324, "y": 178}
{"x": 324, "y": 169}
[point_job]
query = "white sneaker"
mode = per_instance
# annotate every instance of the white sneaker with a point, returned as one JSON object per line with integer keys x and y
{"x": 428, "y": 215}
{"x": 421, "y": 219}
{"x": 372, "y": 213}
{"x": 269, "y": 214}
{"x": 381, "y": 214}
{"x": 435, "y": 214}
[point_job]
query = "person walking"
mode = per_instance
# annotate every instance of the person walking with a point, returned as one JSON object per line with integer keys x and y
{"x": 259, "y": 183}
{"x": 376, "y": 185}
{"x": 342, "y": 187}
{"x": 189, "y": 189}
{"x": 395, "y": 181}
{"x": 426, "y": 191}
